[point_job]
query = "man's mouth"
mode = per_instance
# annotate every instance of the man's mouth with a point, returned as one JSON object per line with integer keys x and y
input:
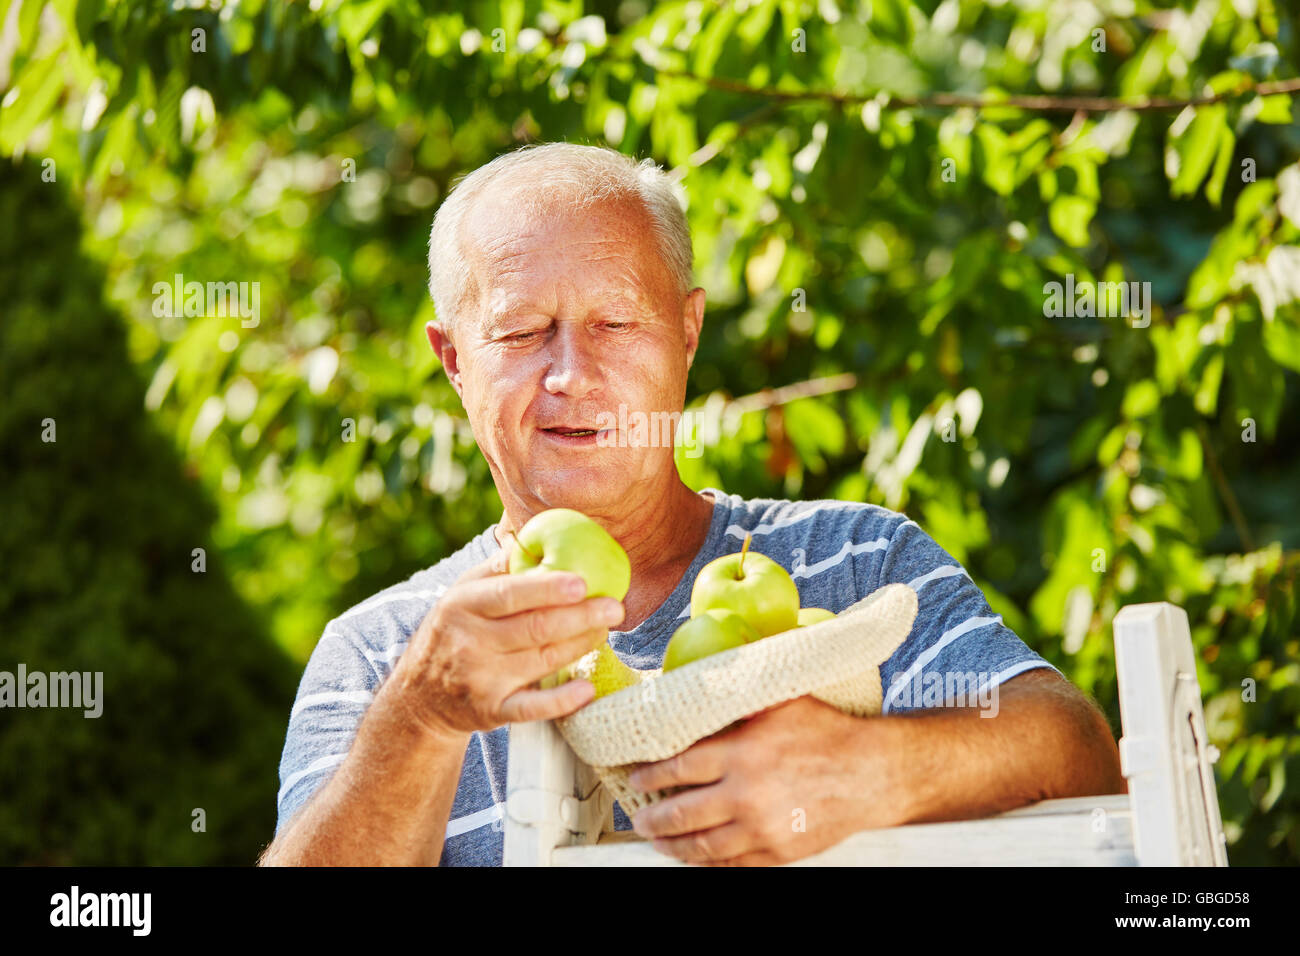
{"x": 577, "y": 436}
{"x": 571, "y": 432}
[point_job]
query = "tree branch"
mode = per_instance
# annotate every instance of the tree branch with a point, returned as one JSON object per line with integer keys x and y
{"x": 771, "y": 397}
{"x": 1033, "y": 102}
{"x": 1225, "y": 490}
{"x": 709, "y": 150}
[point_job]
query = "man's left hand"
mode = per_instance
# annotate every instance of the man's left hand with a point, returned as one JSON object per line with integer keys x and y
{"x": 789, "y": 782}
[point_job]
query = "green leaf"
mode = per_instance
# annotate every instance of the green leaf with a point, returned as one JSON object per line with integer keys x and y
{"x": 1028, "y": 135}
{"x": 168, "y": 113}
{"x": 1254, "y": 201}
{"x": 1176, "y": 349}
{"x": 1258, "y": 385}
{"x": 1110, "y": 447}
{"x": 642, "y": 102}
{"x": 1197, "y": 148}
{"x": 1085, "y": 172}
{"x": 1206, "y": 399}
{"x": 891, "y": 19}
{"x": 1214, "y": 186}
{"x": 357, "y": 19}
{"x": 1031, "y": 159}
{"x": 1141, "y": 399}
{"x": 814, "y": 428}
{"x": 1190, "y": 457}
{"x": 712, "y": 39}
{"x": 1227, "y": 81}
{"x": 1047, "y": 184}
{"x": 88, "y": 13}
{"x": 757, "y": 21}
{"x": 1282, "y": 341}
{"x": 997, "y": 163}
{"x": 119, "y": 143}
{"x": 37, "y": 89}
{"x": 1069, "y": 217}
{"x": 1275, "y": 109}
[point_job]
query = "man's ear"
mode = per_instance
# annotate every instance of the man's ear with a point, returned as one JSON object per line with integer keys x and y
{"x": 693, "y": 317}
{"x": 440, "y": 342}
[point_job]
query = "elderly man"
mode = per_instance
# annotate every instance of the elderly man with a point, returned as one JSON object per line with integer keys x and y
{"x": 561, "y": 277}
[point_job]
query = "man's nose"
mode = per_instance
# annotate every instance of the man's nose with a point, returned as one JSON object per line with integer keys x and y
{"x": 574, "y": 362}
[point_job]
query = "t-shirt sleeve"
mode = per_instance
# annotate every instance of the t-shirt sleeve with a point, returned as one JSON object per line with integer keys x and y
{"x": 959, "y": 650}
{"x": 336, "y": 688}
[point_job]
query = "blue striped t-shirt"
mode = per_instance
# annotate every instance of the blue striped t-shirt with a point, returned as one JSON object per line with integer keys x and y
{"x": 837, "y": 552}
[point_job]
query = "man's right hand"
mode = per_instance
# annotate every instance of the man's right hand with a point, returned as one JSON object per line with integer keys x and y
{"x": 471, "y": 663}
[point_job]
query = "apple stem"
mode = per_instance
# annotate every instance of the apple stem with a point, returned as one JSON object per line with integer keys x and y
{"x": 744, "y": 550}
{"x": 520, "y": 545}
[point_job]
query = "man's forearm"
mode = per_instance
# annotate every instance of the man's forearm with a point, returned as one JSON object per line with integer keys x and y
{"x": 387, "y": 804}
{"x": 1047, "y": 741}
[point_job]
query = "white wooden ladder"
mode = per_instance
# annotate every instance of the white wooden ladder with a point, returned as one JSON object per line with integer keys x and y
{"x": 558, "y": 814}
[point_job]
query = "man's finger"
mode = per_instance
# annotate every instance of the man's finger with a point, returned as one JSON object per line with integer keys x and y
{"x": 717, "y": 845}
{"x": 531, "y": 664}
{"x": 560, "y": 701}
{"x": 503, "y": 595}
{"x": 702, "y": 763}
{"x": 549, "y": 625}
{"x": 496, "y": 564}
{"x": 752, "y": 858}
{"x": 701, "y": 808}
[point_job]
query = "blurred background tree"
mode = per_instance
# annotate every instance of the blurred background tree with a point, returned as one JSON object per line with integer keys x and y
{"x": 879, "y": 192}
{"x": 110, "y": 568}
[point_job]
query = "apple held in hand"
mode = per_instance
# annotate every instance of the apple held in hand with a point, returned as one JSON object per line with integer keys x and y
{"x": 814, "y": 615}
{"x": 562, "y": 539}
{"x": 752, "y": 585}
{"x": 713, "y": 631}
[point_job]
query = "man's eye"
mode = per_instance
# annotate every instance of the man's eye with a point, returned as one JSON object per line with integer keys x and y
{"x": 616, "y": 325}
{"x": 520, "y": 336}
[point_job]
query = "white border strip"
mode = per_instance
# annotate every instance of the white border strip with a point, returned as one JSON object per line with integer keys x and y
{"x": 322, "y": 763}
{"x": 767, "y": 527}
{"x": 342, "y": 697}
{"x": 930, "y": 653}
{"x": 834, "y": 561}
{"x": 374, "y": 658}
{"x": 381, "y": 599}
{"x": 1015, "y": 670}
{"x": 473, "y": 821}
{"x": 943, "y": 571}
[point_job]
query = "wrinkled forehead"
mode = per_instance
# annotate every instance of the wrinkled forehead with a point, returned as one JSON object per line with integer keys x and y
{"x": 524, "y": 217}
{"x": 511, "y": 240}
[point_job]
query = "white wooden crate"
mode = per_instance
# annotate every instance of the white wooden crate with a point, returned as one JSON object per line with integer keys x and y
{"x": 558, "y": 814}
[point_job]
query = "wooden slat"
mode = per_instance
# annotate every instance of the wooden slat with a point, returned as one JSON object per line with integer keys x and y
{"x": 539, "y": 761}
{"x": 1109, "y": 802}
{"x": 1052, "y": 833}
{"x": 1165, "y": 750}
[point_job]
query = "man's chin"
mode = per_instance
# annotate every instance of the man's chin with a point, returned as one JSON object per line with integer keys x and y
{"x": 589, "y": 490}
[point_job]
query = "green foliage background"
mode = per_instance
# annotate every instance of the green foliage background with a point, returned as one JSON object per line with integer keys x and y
{"x": 97, "y": 544}
{"x": 1074, "y": 465}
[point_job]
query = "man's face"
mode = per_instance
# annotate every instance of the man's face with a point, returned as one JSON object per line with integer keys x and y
{"x": 576, "y": 315}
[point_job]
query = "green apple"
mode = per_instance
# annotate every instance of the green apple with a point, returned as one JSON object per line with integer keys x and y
{"x": 715, "y": 630}
{"x": 752, "y": 585}
{"x": 814, "y": 615}
{"x": 605, "y": 670}
{"x": 562, "y": 539}
{"x": 602, "y": 667}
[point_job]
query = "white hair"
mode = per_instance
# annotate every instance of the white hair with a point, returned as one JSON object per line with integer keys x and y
{"x": 533, "y": 176}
